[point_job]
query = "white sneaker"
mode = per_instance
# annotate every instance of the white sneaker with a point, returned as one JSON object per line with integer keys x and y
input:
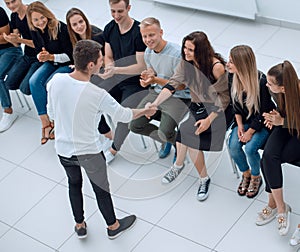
{"x": 7, "y": 121}
{"x": 109, "y": 156}
{"x": 295, "y": 240}
{"x": 266, "y": 215}
{"x": 283, "y": 220}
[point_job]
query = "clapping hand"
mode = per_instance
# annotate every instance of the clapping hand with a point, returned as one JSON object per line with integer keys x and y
{"x": 12, "y": 38}
{"x": 273, "y": 119}
{"x": 147, "y": 77}
{"x": 44, "y": 55}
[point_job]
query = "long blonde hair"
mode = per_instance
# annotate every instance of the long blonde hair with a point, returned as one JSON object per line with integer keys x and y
{"x": 246, "y": 78}
{"x": 53, "y": 23}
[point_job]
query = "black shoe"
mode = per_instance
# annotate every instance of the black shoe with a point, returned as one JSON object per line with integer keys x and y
{"x": 125, "y": 224}
{"x": 81, "y": 232}
{"x": 203, "y": 190}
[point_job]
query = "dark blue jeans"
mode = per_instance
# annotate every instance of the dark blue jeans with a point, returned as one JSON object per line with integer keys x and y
{"x": 95, "y": 167}
{"x": 20, "y": 73}
{"x": 8, "y": 57}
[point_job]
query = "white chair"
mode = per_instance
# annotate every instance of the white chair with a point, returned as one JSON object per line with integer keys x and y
{"x": 24, "y": 98}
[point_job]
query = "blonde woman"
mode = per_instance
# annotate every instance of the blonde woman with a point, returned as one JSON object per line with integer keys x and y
{"x": 52, "y": 43}
{"x": 251, "y": 99}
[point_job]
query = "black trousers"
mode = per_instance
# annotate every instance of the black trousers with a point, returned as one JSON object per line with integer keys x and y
{"x": 281, "y": 147}
{"x": 95, "y": 167}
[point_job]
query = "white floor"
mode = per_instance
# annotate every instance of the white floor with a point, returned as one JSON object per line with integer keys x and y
{"x": 35, "y": 214}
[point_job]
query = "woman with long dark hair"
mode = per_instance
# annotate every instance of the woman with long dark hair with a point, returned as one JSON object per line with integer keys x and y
{"x": 203, "y": 71}
{"x": 283, "y": 144}
{"x": 80, "y": 28}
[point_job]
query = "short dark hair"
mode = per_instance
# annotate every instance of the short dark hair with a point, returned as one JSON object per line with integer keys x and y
{"x": 117, "y": 1}
{"x": 85, "y": 51}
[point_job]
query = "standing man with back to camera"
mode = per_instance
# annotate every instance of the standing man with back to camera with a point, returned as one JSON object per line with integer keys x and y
{"x": 77, "y": 140}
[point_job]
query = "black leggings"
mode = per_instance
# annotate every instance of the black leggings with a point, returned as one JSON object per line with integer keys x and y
{"x": 281, "y": 147}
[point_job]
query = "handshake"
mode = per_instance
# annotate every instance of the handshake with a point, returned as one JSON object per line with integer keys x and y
{"x": 150, "y": 109}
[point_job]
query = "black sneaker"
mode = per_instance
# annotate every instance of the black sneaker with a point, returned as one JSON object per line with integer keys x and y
{"x": 125, "y": 224}
{"x": 81, "y": 232}
{"x": 203, "y": 190}
{"x": 172, "y": 174}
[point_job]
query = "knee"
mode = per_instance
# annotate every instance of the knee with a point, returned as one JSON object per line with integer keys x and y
{"x": 166, "y": 134}
{"x": 266, "y": 157}
{"x": 250, "y": 149}
{"x": 75, "y": 181}
{"x": 25, "y": 89}
{"x": 32, "y": 83}
{"x": 135, "y": 126}
{"x": 75, "y": 184}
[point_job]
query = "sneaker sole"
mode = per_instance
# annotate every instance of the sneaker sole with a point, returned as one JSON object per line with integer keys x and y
{"x": 117, "y": 235}
{"x": 202, "y": 199}
{"x": 294, "y": 244}
{"x": 82, "y": 236}
{"x": 166, "y": 182}
{"x": 11, "y": 124}
{"x": 261, "y": 223}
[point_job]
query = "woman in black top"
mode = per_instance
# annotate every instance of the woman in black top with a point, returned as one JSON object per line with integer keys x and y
{"x": 52, "y": 43}
{"x": 79, "y": 28}
{"x": 20, "y": 73}
{"x": 251, "y": 98}
{"x": 283, "y": 144}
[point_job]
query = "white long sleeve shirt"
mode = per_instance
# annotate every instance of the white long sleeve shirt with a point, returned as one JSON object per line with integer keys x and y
{"x": 76, "y": 108}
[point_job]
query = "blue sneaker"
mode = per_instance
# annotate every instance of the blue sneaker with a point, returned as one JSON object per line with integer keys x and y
{"x": 165, "y": 150}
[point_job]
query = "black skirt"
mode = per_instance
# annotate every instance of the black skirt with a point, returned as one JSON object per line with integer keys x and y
{"x": 210, "y": 140}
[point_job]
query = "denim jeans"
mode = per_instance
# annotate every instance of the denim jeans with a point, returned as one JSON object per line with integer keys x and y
{"x": 38, "y": 82}
{"x": 19, "y": 75}
{"x": 95, "y": 167}
{"x": 8, "y": 57}
{"x": 248, "y": 158}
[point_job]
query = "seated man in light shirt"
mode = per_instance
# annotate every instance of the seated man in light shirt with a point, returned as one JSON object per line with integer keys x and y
{"x": 161, "y": 58}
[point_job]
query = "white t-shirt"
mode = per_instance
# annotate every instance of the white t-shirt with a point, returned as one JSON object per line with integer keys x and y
{"x": 76, "y": 107}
